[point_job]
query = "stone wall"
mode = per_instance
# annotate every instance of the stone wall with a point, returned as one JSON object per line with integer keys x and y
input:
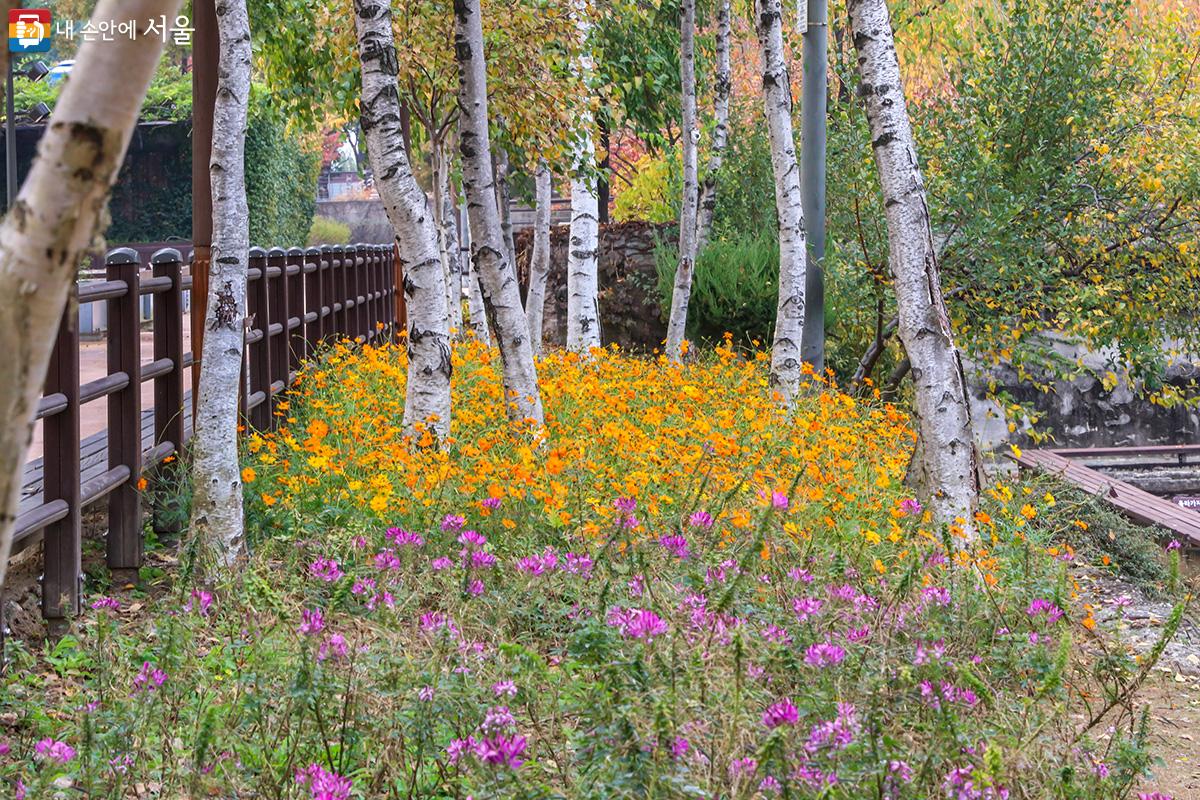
{"x": 630, "y": 314}
{"x": 1084, "y": 413}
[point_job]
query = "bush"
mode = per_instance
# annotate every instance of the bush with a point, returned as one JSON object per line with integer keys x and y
{"x": 734, "y": 288}
{"x": 654, "y": 191}
{"x": 328, "y": 231}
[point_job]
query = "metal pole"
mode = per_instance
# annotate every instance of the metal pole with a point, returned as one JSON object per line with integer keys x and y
{"x": 205, "y": 57}
{"x": 10, "y": 139}
{"x": 812, "y": 172}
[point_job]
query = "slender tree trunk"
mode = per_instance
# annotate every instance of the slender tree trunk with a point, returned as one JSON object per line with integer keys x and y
{"x": 716, "y": 156}
{"x": 583, "y": 270}
{"x": 949, "y": 461}
{"x": 504, "y": 204}
{"x": 777, "y": 103}
{"x": 217, "y": 520}
{"x": 497, "y": 276}
{"x": 428, "y": 393}
{"x": 682, "y": 293}
{"x": 604, "y": 179}
{"x": 476, "y": 313}
{"x": 450, "y": 252}
{"x": 54, "y": 219}
{"x": 539, "y": 260}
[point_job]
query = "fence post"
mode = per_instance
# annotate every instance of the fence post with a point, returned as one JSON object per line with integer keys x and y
{"x": 368, "y": 284}
{"x": 340, "y": 292}
{"x": 62, "y": 568}
{"x": 328, "y": 293}
{"x": 313, "y": 300}
{"x": 168, "y": 388}
{"x": 296, "y": 341}
{"x": 125, "y": 416}
{"x": 277, "y": 272}
{"x": 259, "y": 350}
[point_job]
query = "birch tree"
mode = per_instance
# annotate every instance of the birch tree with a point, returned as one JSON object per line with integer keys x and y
{"x": 54, "y": 219}
{"x": 496, "y": 274}
{"x": 682, "y": 292}
{"x": 777, "y": 105}
{"x": 427, "y": 401}
{"x": 539, "y": 260}
{"x": 451, "y": 255}
{"x": 723, "y": 81}
{"x": 217, "y": 520}
{"x": 947, "y": 459}
{"x": 583, "y": 271}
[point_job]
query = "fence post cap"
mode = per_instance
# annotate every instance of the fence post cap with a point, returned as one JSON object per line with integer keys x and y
{"x": 292, "y": 252}
{"x": 276, "y": 252}
{"x": 336, "y": 248}
{"x": 167, "y": 255}
{"x": 257, "y": 252}
{"x": 122, "y": 255}
{"x": 313, "y": 251}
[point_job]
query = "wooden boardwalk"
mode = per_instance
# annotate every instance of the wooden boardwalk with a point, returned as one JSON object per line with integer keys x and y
{"x": 1138, "y": 505}
{"x": 93, "y": 457}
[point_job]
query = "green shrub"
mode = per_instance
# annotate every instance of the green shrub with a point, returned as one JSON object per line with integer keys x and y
{"x": 734, "y": 289}
{"x": 328, "y": 231}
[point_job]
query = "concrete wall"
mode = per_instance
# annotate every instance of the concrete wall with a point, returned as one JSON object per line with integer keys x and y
{"x": 367, "y": 220}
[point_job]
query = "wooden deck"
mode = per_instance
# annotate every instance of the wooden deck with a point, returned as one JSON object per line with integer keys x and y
{"x": 1134, "y": 503}
{"x": 93, "y": 457}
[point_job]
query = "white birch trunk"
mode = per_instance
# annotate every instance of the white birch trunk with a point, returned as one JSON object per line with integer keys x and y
{"x": 428, "y": 393}
{"x": 539, "y": 259}
{"x": 681, "y": 295}
{"x": 716, "y": 156}
{"x": 476, "y": 313}
{"x": 947, "y": 456}
{"x": 777, "y": 104}
{"x": 450, "y": 253}
{"x": 504, "y": 204}
{"x": 583, "y": 251}
{"x": 496, "y": 274}
{"x": 54, "y": 219}
{"x": 217, "y": 520}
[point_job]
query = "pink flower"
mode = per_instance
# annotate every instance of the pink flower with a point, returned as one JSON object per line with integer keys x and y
{"x": 324, "y": 784}
{"x": 149, "y": 678}
{"x": 504, "y": 688}
{"x": 491, "y": 503}
{"x": 781, "y": 713}
{"x": 311, "y": 621}
{"x": 502, "y": 750}
{"x": 779, "y": 500}
{"x": 637, "y": 623}
{"x": 334, "y": 646}
{"x": 911, "y": 506}
{"x": 453, "y": 522}
{"x": 824, "y": 654}
{"x": 701, "y": 519}
{"x": 326, "y": 569}
{"x": 403, "y": 538}
{"x": 106, "y": 603}
{"x": 54, "y": 750}
{"x": 201, "y": 600}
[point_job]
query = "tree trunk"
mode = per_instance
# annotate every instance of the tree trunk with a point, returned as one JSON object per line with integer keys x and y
{"x": 814, "y": 17}
{"x": 476, "y": 314}
{"x": 54, "y": 219}
{"x": 539, "y": 260}
{"x": 428, "y": 399}
{"x": 949, "y": 460}
{"x": 723, "y": 88}
{"x": 496, "y": 274}
{"x": 450, "y": 252}
{"x": 777, "y": 104}
{"x": 583, "y": 279}
{"x": 217, "y": 520}
{"x": 682, "y": 293}
{"x": 504, "y": 204}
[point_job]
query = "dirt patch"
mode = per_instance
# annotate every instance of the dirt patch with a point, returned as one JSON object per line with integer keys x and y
{"x": 1174, "y": 701}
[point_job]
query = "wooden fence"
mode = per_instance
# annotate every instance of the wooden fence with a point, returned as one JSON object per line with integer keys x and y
{"x": 297, "y": 299}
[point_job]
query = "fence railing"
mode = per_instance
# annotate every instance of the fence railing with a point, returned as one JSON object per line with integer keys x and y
{"x": 297, "y": 299}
